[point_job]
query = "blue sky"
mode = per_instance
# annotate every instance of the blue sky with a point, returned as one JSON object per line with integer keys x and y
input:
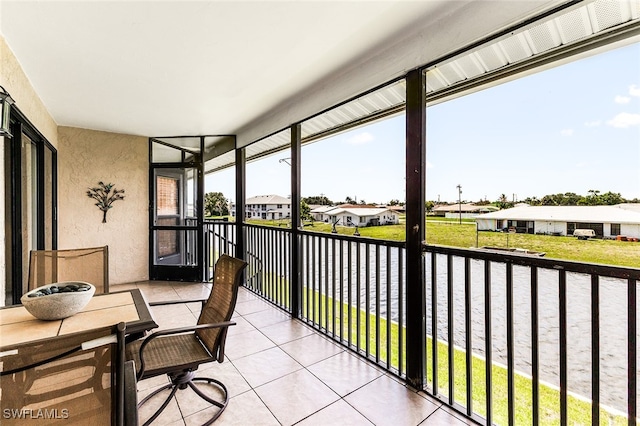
{"x": 572, "y": 128}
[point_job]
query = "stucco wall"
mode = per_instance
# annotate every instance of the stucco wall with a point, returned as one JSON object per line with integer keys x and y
{"x": 86, "y": 157}
{"x": 13, "y": 79}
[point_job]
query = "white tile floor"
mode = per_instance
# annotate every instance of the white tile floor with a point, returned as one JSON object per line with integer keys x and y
{"x": 280, "y": 372}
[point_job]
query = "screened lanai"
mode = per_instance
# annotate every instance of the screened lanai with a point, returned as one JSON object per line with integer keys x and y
{"x": 157, "y": 96}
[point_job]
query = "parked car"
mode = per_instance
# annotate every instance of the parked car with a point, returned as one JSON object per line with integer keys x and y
{"x": 584, "y": 234}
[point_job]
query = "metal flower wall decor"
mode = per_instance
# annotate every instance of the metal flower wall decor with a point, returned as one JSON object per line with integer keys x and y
{"x": 105, "y": 195}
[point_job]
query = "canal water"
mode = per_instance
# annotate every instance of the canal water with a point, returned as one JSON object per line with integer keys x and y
{"x": 612, "y": 325}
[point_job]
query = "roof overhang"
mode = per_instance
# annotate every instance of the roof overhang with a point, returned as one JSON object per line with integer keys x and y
{"x": 175, "y": 68}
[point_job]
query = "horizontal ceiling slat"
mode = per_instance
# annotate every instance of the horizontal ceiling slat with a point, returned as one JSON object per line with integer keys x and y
{"x": 476, "y": 66}
{"x": 563, "y": 29}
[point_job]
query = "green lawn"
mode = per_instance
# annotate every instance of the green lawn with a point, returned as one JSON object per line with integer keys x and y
{"x": 454, "y": 234}
{"x": 324, "y": 311}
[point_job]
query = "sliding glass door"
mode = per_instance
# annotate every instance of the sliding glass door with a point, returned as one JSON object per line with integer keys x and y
{"x": 30, "y": 202}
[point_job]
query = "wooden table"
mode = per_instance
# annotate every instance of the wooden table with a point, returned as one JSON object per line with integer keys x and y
{"x": 78, "y": 386}
{"x": 17, "y": 325}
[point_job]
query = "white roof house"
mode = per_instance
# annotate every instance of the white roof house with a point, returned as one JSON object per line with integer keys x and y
{"x": 318, "y": 213}
{"x": 607, "y": 221}
{"x": 266, "y": 207}
{"x": 267, "y": 199}
{"x": 356, "y": 216}
{"x": 468, "y": 210}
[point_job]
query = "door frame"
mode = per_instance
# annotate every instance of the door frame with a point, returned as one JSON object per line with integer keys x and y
{"x": 194, "y": 272}
{"x": 20, "y": 125}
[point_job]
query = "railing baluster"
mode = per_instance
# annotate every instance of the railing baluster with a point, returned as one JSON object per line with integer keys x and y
{"x": 264, "y": 281}
{"x": 389, "y": 316}
{"x": 317, "y": 281}
{"x": 467, "y": 334}
{"x": 535, "y": 354}
{"x": 562, "y": 288}
{"x": 341, "y": 246}
{"x": 450, "y": 326}
{"x": 307, "y": 282}
{"x": 280, "y": 263}
{"x": 333, "y": 288}
{"x": 595, "y": 350}
{"x": 401, "y": 311}
{"x": 488, "y": 341}
{"x": 326, "y": 284}
{"x": 377, "y": 303}
{"x": 349, "y": 296}
{"x": 358, "y": 297}
{"x": 316, "y": 275}
{"x": 273, "y": 248}
{"x": 266, "y": 250}
{"x": 434, "y": 322}
{"x": 510, "y": 361}
{"x": 367, "y": 299}
{"x": 632, "y": 348}
{"x": 285, "y": 280}
{"x": 253, "y": 236}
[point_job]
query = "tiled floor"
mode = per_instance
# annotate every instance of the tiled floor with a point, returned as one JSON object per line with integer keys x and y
{"x": 281, "y": 372}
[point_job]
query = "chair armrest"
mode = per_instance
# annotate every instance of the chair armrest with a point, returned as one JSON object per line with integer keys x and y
{"x": 176, "y": 302}
{"x": 178, "y": 330}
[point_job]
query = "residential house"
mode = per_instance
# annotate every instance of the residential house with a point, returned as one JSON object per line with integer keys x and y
{"x": 467, "y": 211}
{"x": 318, "y": 212}
{"x": 355, "y": 215}
{"x": 606, "y": 221}
{"x": 266, "y": 207}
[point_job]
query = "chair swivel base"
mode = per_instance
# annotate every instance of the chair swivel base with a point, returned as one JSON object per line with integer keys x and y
{"x": 182, "y": 381}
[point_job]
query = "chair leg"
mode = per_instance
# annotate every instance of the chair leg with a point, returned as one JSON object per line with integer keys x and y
{"x": 181, "y": 381}
{"x": 220, "y": 404}
{"x": 174, "y": 389}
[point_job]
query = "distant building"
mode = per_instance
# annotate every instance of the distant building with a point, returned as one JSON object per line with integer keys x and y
{"x": 356, "y": 215}
{"x": 606, "y": 221}
{"x": 318, "y": 212}
{"x": 468, "y": 211}
{"x": 396, "y": 208}
{"x": 267, "y": 207}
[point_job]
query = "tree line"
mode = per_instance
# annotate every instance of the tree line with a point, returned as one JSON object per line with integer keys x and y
{"x": 593, "y": 198}
{"x": 215, "y": 204}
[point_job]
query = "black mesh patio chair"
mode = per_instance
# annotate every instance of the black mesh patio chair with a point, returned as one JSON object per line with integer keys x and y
{"x": 179, "y": 352}
{"x": 73, "y": 379}
{"x": 83, "y": 264}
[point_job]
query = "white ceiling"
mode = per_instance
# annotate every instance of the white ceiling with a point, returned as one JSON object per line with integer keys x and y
{"x": 163, "y": 68}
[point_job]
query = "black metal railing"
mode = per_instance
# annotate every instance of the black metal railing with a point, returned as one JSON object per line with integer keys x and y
{"x": 219, "y": 239}
{"x": 511, "y": 338}
{"x": 269, "y": 257}
{"x": 352, "y": 290}
{"x": 518, "y": 339}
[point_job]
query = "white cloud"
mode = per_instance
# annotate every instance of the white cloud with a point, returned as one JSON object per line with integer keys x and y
{"x": 429, "y": 165}
{"x": 566, "y": 132}
{"x": 360, "y": 138}
{"x": 624, "y": 120}
{"x": 622, "y": 99}
{"x": 594, "y": 123}
{"x": 634, "y": 90}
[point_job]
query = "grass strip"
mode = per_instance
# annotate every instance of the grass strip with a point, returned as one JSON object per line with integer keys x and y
{"x": 322, "y": 311}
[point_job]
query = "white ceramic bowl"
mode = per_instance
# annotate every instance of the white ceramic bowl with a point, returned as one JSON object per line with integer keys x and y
{"x": 57, "y": 305}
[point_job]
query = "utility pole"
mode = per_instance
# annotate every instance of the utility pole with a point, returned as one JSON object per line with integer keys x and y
{"x": 459, "y": 202}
